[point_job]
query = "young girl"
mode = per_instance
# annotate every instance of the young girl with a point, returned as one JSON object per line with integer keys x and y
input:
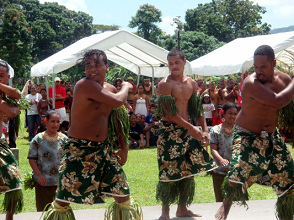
{"x": 220, "y": 146}
{"x": 208, "y": 109}
{"x": 44, "y": 157}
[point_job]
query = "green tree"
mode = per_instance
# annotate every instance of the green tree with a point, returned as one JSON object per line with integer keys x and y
{"x": 100, "y": 28}
{"x": 53, "y": 26}
{"x": 145, "y": 20}
{"x": 194, "y": 44}
{"x": 15, "y": 41}
{"x": 227, "y": 19}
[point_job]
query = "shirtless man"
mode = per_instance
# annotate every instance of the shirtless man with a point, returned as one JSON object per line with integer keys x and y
{"x": 180, "y": 154}
{"x": 259, "y": 154}
{"x": 10, "y": 180}
{"x": 89, "y": 170}
{"x": 230, "y": 92}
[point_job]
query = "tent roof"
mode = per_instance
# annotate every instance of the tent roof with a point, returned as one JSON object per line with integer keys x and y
{"x": 122, "y": 47}
{"x": 237, "y": 56}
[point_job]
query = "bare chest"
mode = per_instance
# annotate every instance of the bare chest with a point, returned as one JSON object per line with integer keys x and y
{"x": 181, "y": 90}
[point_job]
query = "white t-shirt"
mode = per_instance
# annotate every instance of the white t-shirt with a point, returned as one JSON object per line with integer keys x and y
{"x": 31, "y": 97}
{"x": 208, "y": 108}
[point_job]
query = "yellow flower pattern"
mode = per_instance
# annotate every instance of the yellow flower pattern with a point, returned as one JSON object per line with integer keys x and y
{"x": 179, "y": 155}
{"x": 262, "y": 158}
{"x": 88, "y": 172}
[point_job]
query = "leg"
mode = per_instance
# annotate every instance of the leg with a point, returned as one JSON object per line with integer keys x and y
{"x": 31, "y": 125}
{"x": 224, "y": 210}
{"x": 164, "y": 213}
{"x": 9, "y": 216}
{"x": 147, "y": 136}
{"x": 123, "y": 209}
{"x": 186, "y": 194}
{"x": 232, "y": 192}
{"x": 218, "y": 180}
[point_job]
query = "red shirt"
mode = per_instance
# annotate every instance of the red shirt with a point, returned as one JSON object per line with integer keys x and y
{"x": 59, "y": 92}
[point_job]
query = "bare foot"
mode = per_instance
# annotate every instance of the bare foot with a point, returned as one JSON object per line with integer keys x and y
{"x": 184, "y": 212}
{"x": 223, "y": 211}
{"x": 165, "y": 213}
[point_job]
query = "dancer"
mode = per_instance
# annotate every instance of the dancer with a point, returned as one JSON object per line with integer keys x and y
{"x": 10, "y": 180}
{"x": 258, "y": 152}
{"x": 89, "y": 171}
{"x": 180, "y": 154}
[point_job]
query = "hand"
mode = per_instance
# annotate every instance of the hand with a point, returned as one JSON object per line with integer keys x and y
{"x": 42, "y": 180}
{"x": 127, "y": 84}
{"x": 195, "y": 133}
{"x": 205, "y": 139}
{"x": 122, "y": 156}
{"x": 224, "y": 162}
{"x": 141, "y": 145}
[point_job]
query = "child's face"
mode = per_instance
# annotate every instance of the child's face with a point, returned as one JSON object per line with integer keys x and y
{"x": 152, "y": 110}
{"x": 5, "y": 118}
{"x": 206, "y": 100}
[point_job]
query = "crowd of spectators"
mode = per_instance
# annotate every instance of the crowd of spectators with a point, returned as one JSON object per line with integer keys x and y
{"x": 41, "y": 103}
{"x": 141, "y": 106}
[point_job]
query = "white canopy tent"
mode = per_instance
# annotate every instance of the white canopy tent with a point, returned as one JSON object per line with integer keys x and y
{"x": 122, "y": 47}
{"x": 237, "y": 56}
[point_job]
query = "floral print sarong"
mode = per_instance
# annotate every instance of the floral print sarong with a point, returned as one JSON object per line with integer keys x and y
{"x": 10, "y": 178}
{"x": 263, "y": 159}
{"x": 88, "y": 173}
{"x": 179, "y": 154}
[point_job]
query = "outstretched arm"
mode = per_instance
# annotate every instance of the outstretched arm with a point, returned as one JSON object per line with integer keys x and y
{"x": 94, "y": 91}
{"x": 11, "y": 92}
{"x": 10, "y": 111}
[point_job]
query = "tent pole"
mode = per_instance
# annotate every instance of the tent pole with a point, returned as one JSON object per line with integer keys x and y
{"x": 152, "y": 83}
{"x": 53, "y": 92}
{"x": 46, "y": 82}
{"x": 138, "y": 79}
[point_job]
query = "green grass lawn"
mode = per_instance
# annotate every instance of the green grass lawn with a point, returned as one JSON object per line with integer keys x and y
{"x": 142, "y": 172}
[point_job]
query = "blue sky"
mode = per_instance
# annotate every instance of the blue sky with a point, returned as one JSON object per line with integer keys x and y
{"x": 115, "y": 12}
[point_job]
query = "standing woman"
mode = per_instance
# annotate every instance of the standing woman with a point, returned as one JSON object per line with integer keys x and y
{"x": 32, "y": 115}
{"x": 220, "y": 146}
{"x": 44, "y": 157}
{"x": 141, "y": 101}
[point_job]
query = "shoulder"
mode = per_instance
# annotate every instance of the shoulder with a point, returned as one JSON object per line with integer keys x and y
{"x": 38, "y": 137}
{"x": 164, "y": 86}
{"x": 215, "y": 129}
{"x": 110, "y": 87}
{"x": 86, "y": 83}
{"x": 285, "y": 78}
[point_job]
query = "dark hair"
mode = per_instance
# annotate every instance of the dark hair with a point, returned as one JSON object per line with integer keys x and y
{"x": 229, "y": 105}
{"x": 175, "y": 52}
{"x": 230, "y": 79}
{"x": 152, "y": 106}
{"x": 141, "y": 85}
{"x": 5, "y": 64}
{"x": 117, "y": 80}
{"x": 50, "y": 113}
{"x": 43, "y": 90}
{"x": 96, "y": 52}
{"x": 64, "y": 124}
{"x": 202, "y": 99}
{"x": 265, "y": 50}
